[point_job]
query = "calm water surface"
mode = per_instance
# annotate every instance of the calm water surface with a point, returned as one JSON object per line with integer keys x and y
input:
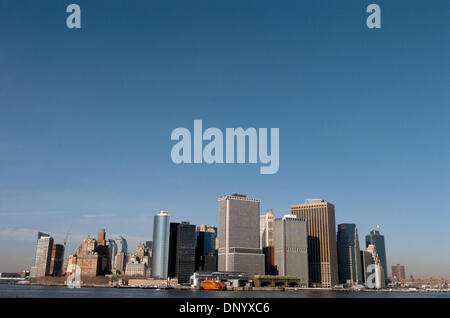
{"x": 8, "y": 291}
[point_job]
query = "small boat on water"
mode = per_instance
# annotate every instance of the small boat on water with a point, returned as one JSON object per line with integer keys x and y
{"x": 209, "y": 284}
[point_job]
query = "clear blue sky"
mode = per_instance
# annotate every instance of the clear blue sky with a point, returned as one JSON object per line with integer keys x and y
{"x": 86, "y": 116}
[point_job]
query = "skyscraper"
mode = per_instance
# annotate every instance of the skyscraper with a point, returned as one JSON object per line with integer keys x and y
{"x": 42, "y": 258}
{"x": 182, "y": 251}
{"x": 366, "y": 260}
{"x": 349, "y": 256}
{"x": 205, "y": 250}
{"x": 239, "y": 249}
{"x": 291, "y": 248}
{"x": 88, "y": 258}
{"x": 112, "y": 252}
{"x": 57, "y": 260}
{"x": 115, "y": 247}
{"x": 122, "y": 245}
{"x": 101, "y": 242}
{"x": 160, "y": 260}
{"x": 322, "y": 249}
{"x": 376, "y": 278}
{"x": 149, "y": 247}
{"x": 266, "y": 229}
{"x": 375, "y": 238}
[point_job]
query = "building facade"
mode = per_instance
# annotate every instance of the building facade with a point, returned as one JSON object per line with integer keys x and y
{"x": 57, "y": 260}
{"x": 322, "y": 249}
{"x": 398, "y": 273}
{"x": 366, "y": 260}
{"x": 266, "y": 229}
{"x": 205, "y": 250}
{"x": 291, "y": 248}
{"x": 161, "y": 231}
{"x": 42, "y": 259}
{"x": 239, "y": 246}
{"x": 182, "y": 251}
{"x": 375, "y": 238}
{"x": 376, "y": 278}
{"x": 349, "y": 255}
{"x": 269, "y": 260}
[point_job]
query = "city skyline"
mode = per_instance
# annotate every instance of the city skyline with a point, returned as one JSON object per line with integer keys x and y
{"x": 138, "y": 241}
{"x": 86, "y": 117}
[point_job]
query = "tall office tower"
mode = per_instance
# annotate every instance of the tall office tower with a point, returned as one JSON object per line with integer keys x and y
{"x": 205, "y": 250}
{"x": 112, "y": 252}
{"x": 398, "y": 273}
{"x": 291, "y": 248}
{"x": 42, "y": 258}
{"x": 266, "y": 229}
{"x": 182, "y": 251}
{"x": 375, "y": 238}
{"x": 119, "y": 262}
{"x": 88, "y": 258}
{"x": 349, "y": 256}
{"x": 149, "y": 247}
{"x": 269, "y": 260}
{"x": 57, "y": 260}
{"x": 207, "y": 228}
{"x": 102, "y": 250}
{"x": 239, "y": 249}
{"x": 141, "y": 251}
{"x": 322, "y": 248}
{"x": 101, "y": 242}
{"x": 378, "y": 270}
{"x": 88, "y": 246}
{"x": 122, "y": 245}
{"x": 160, "y": 260}
{"x": 366, "y": 260}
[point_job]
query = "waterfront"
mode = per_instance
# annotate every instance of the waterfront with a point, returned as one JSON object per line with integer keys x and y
{"x": 33, "y": 291}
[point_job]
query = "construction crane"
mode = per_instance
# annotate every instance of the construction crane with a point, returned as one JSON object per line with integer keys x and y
{"x": 66, "y": 238}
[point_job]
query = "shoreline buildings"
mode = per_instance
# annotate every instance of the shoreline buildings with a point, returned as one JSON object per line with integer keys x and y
{"x": 239, "y": 245}
{"x": 322, "y": 248}
{"x": 302, "y": 246}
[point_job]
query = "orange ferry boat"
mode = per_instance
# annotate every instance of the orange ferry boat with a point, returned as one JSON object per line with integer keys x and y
{"x": 209, "y": 284}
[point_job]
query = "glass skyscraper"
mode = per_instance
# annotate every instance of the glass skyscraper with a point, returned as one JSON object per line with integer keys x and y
{"x": 375, "y": 238}
{"x": 349, "y": 254}
{"x": 161, "y": 231}
{"x": 182, "y": 251}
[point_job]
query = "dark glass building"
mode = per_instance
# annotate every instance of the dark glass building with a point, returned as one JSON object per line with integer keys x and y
{"x": 205, "y": 251}
{"x": 349, "y": 258}
{"x": 375, "y": 238}
{"x": 182, "y": 251}
{"x": 57, "y": 260}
